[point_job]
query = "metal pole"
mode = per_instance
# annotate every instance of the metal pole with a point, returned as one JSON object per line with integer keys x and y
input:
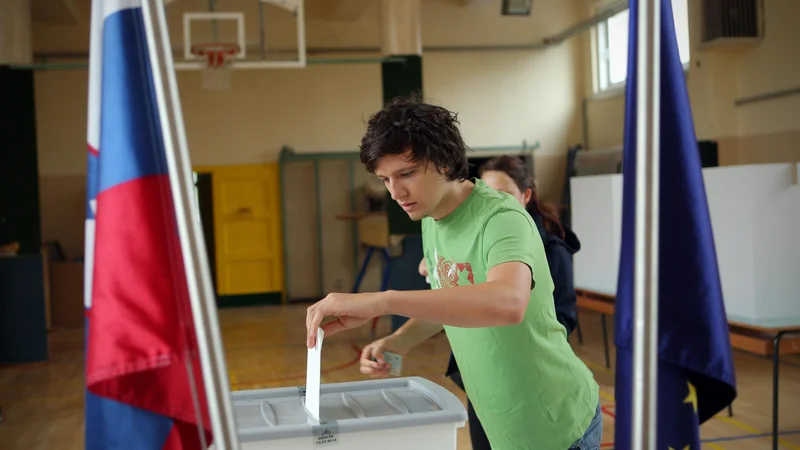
{"x": 645, "y": 333}
{"x": 198, "y": 276}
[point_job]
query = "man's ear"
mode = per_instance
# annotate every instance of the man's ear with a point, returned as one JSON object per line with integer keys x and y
{"x": 440, "y": 169}
{"x": 527, "y": 195}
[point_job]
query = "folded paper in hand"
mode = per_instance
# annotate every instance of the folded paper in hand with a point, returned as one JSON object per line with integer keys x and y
{"x": 395, "y": 362}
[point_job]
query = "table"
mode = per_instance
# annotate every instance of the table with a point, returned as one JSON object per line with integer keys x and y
{"x": 761, "y": 337}
{"x": 775, "y": 331}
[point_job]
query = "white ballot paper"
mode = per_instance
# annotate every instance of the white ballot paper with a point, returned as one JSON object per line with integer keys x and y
{"x": 313, "y": 368}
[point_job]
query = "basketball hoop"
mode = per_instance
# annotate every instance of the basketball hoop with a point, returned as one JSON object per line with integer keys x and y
{"x": 216, "y": 59}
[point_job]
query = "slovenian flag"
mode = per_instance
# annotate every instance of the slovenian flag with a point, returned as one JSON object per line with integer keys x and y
{"x": 144, "y": 385}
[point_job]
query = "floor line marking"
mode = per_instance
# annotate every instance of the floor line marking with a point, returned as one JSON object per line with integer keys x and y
{"x": 605, "y": 395}
{"x": 711, "y": 441}
{"x": 745, "y": 427}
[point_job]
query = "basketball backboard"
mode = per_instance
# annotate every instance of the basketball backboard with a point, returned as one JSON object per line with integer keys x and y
{"x": 267, "y": 33}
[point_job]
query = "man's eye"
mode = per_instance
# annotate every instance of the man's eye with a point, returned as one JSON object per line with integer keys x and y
{"x": 407, "y": 174}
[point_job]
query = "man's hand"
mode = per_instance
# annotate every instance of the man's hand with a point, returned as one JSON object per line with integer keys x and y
{"x": 380, "y": 368}
{"x": 423, "y": 268}
{"x": 351, "y": 311}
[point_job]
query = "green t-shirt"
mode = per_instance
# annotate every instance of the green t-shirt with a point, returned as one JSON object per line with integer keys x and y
{"x": 528, "y": 388}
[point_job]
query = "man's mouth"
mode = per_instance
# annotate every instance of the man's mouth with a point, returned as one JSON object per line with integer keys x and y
{"x": 408, "y": 206}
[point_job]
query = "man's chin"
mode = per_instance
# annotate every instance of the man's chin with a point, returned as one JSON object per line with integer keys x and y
{"x": 416, "y": 216}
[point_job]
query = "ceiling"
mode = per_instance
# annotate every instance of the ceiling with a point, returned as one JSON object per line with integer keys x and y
{"x": 57, "y": 12}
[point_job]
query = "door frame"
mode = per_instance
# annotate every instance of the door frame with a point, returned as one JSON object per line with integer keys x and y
{"x": 261, "y": 298}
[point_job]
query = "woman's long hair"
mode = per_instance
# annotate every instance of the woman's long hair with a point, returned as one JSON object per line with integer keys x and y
{"x": 516, "y": 169}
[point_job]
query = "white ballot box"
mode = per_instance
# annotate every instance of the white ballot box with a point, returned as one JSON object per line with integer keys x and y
{"x": 397, "y": 413}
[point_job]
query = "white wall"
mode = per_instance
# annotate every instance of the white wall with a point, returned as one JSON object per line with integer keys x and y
{"x": 503, "y": 97}
{"x": 761, "y": 132}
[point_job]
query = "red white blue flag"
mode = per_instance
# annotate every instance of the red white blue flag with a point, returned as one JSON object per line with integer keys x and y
{"x": 144, "y": 385}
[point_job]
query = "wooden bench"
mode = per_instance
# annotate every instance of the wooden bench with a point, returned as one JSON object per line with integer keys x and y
{"x": 756, "y": 339}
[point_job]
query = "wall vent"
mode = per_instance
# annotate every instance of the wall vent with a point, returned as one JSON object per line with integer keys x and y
{"x": 733, "y": 24}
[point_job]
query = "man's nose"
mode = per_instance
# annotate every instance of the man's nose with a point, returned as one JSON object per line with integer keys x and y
{"x": 396, "y": 190}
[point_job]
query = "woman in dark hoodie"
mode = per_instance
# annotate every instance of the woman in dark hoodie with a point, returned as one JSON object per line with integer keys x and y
{"x": 510, "y": 174}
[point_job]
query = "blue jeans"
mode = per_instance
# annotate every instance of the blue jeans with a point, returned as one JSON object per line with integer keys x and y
{"x": 591, "y": 438}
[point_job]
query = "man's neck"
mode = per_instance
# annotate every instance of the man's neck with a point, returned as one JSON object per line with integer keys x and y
{"x": 455, "y": 196}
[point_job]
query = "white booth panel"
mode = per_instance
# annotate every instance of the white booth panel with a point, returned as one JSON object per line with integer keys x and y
{"x": 730, "y": 195}
{"x": 755, "y": 218}
{"x": 597, "y": 220}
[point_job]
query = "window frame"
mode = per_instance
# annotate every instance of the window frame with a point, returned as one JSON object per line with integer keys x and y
{"x": 600, "y": 57}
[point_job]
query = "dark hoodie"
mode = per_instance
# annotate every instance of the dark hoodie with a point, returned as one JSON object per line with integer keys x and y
{"x": 559, "y": 257}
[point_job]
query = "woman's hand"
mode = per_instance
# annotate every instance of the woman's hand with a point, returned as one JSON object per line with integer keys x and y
{"x": 379, "y": 368}
{"x": 350, "y": 310}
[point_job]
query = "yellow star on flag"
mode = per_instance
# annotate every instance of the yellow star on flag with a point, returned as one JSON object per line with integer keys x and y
{"x": 692, "y": 397}
{"x": 684, "y": 448}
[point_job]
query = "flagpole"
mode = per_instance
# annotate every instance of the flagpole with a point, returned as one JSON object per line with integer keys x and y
{"x": 198, "y": 277}
{"x": 645, "y": 342}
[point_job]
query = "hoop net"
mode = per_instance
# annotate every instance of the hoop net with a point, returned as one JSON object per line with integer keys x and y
{"x": 216, "y": 58}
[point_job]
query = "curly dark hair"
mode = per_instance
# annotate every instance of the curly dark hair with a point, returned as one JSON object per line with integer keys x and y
{"x": 430, "y": 132}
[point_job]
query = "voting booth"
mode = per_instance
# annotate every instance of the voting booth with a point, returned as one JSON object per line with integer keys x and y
{"x": 755, "y": 217}
{"x": 390, "y": 414}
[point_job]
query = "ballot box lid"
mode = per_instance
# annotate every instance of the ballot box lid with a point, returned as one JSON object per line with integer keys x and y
{"x": 369, "y": 405}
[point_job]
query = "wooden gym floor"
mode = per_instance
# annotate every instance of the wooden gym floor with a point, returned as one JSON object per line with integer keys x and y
{"x": 42, "y": 403}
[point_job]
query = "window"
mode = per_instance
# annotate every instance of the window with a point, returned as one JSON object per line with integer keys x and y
{"x": 612, "y": 45}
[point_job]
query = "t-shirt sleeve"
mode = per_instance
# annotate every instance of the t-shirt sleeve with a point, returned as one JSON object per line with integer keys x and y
{"x": 509, "y": 236}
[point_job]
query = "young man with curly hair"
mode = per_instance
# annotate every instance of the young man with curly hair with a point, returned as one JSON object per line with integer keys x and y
{"x": 491, "y": 288}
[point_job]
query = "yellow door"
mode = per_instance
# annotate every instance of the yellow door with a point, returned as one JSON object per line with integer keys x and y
{"x": 247, "y": 229}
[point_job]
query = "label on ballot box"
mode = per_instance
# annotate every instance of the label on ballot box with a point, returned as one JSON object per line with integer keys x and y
{"x": 325, "y": 433}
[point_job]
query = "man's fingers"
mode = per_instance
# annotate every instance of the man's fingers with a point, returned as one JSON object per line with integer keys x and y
{"x": 316, "y": 319}
{"x": 375, "y": 369}
{"x": 375, "y": 373}
{"x": 367, "y": 356}
{"x": 378, "y": 356}
{"x": 309, "y": 315}
{"x": 333, "y": 327}
{"x": 309, "y": 335}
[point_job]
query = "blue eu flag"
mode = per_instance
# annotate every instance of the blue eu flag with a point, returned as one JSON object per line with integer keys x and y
{"x": 695, "y": 366}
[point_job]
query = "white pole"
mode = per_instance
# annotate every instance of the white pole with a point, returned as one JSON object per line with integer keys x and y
{"x": 645, "y": 333}
{"x": 198, "y": 275}
{"x": 301, "y": 32}
{"x": 16, "y": 42}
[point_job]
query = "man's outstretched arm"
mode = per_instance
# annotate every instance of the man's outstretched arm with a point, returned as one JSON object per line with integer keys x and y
{"x": 508, "y": 239}
{"x": 501, "y": 300}
{"x": 508, "y": 251}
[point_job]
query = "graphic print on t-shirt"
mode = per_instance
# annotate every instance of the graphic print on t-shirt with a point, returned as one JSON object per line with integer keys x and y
{"x": 449, "y": 273}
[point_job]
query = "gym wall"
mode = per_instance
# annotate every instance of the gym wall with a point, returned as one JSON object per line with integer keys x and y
{"x": 503, "y": 98}
{"x": 763, "y": 132}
